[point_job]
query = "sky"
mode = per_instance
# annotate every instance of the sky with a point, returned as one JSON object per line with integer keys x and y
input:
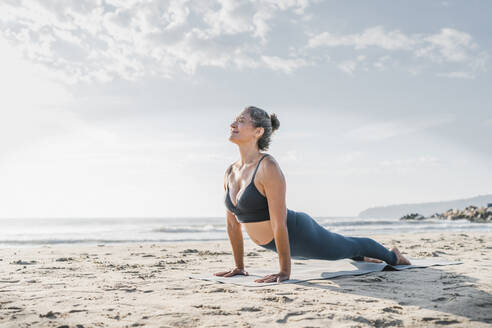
{"x": 122, "y": 108}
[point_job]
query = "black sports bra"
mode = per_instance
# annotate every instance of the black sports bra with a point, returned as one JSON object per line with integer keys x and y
{"x": 252, "y": 206}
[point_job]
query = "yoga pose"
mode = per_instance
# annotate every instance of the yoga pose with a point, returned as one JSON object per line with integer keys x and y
{"x": 255, "y": 198}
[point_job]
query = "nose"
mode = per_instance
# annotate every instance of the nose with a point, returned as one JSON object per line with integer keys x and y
{"x": 233, "y": 124}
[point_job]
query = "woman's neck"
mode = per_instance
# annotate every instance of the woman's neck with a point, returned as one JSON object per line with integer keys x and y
{"x": 248, "y": 154}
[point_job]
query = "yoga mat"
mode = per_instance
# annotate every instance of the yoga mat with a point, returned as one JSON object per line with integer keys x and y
{"x": 319, "y": 269}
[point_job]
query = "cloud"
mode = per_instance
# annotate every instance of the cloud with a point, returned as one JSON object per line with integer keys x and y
{"x": 382, "y": 62}
{"x": 286, "y": 65}
{"x": 373, "y": 36}
{"x": 458, "y": 75}
{"x": 408, "y": 166}
{"x": 378, "y": 131}
{"x": 349, "y": 66}
{"x": 94, "y": 40}
{"x": 411, "y": 162}
{"x": 100, "y": 41}
{"x": 449, "y": 46}
{"x": 229, "y": 19}
{"x": 349, "y": 157}
{"x": 288, "y": 156}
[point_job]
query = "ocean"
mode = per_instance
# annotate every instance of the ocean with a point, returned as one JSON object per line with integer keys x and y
{"x": 32, "y": 232}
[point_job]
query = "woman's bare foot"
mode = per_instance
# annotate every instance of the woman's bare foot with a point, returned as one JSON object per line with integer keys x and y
{"x": 400, "y": 259}
{"x": 370, "y": 259}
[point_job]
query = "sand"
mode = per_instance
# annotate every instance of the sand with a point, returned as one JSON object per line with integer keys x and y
{"x": 146, "y": 285}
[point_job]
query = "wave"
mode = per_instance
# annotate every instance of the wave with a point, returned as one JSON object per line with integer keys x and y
{"x": 145, "y": 231}
{"x": 99, "y": 241}
{"x": 185, "y": 229}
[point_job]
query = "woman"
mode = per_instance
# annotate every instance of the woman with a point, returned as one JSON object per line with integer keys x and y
{"x": 255, "y": 198}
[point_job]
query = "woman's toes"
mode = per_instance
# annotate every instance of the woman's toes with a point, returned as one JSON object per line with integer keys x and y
{"x": 401, "y": 260}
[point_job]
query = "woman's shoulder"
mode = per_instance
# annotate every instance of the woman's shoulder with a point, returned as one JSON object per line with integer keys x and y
{"x": 269, "y": 159}
{"x": 269, "y": 165}
{"x": 270, "y": 173}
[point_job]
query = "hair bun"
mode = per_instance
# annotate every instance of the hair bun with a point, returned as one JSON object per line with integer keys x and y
{"x": 275, "y": 122}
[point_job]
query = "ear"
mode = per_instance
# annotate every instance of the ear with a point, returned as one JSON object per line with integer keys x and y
{"x": 260, "y": 132}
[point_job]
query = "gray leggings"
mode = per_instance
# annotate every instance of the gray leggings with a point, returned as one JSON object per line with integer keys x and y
{"x": 310, "y": 240}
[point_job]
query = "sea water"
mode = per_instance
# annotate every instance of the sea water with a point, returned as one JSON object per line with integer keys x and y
{"x": 49, "y": 231}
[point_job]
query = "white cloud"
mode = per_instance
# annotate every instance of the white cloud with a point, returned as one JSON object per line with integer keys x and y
{"x": 479, "y": 62}
{"x": 447, "y": 46}
{"x": 422, "y": 160}
{"x": 411, "y": 162}
{"x": 349, "y": 157}
{"x": 260, "y": 22}
{"x": 288, "y": 156}
{"x": 373, "y": 36}
{"x": 458, "y": 75}
{"x": 177, "y": 14}
{"x": 229, "y": 19}
{"x": 347, "y": 66}
{"x": 92, "y": 40}
{"x": 405, "y": 167}
{"x": 295, "y": 135}
{"x": 377, "y": 131}
{"x": 282, "y": 64}
{"x": 382, "y": 62}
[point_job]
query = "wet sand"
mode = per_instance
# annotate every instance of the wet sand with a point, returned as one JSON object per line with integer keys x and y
{"x": 146, "y": 285}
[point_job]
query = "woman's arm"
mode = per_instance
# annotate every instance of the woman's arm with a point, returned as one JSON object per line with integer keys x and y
{"x": 275, "y": 188}
{"x": 236, "y": 238}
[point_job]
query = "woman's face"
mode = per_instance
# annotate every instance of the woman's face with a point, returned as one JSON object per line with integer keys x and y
{"x": 242, "y": 129}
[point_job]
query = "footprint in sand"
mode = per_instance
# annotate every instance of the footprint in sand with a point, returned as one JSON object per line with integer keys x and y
{"x": 289, "y": 314}
{"x": 220, "y": 290}
{"x": 393, "y": 309}
{"x": 21, "y": 262}
{"x": 365, "y": 300}
{"x": 440, "y": 321}
{"x": 377, "y": 322}
{"x": 64, "y": 259}
{"x": 250, "y": 309}
{"x": 209, "y": 307}
{"x": 49, "y": 315}
{"x": 283, "y": 299}
{"x": 221, "y": 312}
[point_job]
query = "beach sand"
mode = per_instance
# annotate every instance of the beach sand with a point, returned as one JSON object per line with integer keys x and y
{"x": 146, "y": 285}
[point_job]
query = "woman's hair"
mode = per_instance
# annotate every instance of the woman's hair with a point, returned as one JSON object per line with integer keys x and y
{"x": 269, "y": 123}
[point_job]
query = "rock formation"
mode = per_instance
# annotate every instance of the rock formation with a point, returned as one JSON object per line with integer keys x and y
{"x": 471, "y": 213}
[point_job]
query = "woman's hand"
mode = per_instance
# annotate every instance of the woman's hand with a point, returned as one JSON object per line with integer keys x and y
{"x": 275, "y": 277}
{"x": 231, "y": 273}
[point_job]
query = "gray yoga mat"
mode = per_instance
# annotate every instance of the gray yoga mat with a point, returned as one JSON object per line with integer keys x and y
{"x": 319, "y": 269}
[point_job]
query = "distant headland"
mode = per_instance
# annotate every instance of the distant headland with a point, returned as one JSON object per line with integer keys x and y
{"x": 425, "y": 209}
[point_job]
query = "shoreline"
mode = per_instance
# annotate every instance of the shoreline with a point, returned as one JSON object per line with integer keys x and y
{"x": 133, "y": 284}
{"x": 84, "y": 243}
